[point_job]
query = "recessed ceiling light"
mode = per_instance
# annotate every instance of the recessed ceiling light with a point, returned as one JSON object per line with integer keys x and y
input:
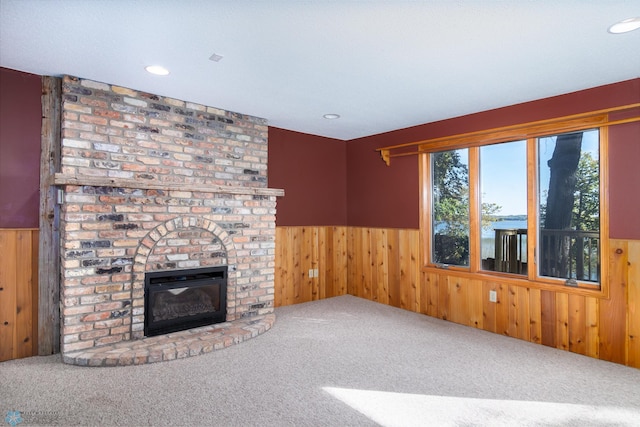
{"x": 625, "y": 26}
{"x": 158, "y": 70}
{"x": 215, "y": 57}
{"x": 331, "y": 116}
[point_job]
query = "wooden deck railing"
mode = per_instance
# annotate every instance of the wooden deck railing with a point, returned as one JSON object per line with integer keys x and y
{"x": 566, "y": 254}
{"x": 511, "y": 250}
{"x": 570, "y": 254}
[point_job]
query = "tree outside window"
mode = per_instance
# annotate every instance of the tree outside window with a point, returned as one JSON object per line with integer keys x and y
{"x": 450, "y": 206}
{"x": 569, "y": 221}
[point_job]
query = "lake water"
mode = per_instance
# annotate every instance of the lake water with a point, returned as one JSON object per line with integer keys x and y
{"x": 503, "y": 225}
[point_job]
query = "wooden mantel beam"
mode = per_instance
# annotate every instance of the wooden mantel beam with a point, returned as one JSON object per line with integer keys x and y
{"x": 61, "y": 179}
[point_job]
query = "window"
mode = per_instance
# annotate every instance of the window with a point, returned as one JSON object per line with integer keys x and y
{"x": 527, "y": 209}
{"x": 569, "y": 204}
{"x": 503, "y": 207}
{"x": 450, "y": 201}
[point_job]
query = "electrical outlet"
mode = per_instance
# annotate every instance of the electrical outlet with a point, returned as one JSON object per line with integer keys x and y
{"x": 493, "y": 296}
{"x": 311, "y": 273}
{"x": 315, "y": 272}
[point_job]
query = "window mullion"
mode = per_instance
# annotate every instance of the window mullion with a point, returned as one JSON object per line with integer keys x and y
{"x": 604, "y": 209}
{"x": 426, "y": 186}
{"x": 532, "y": 210}
{"x": 475, "y": 231}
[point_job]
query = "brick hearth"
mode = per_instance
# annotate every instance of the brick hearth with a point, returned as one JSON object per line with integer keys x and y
{"x": 154, "y": 184}
{"x": 178, "y": 345}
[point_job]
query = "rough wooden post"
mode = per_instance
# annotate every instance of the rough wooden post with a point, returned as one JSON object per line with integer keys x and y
{"x": 49, "y": 247}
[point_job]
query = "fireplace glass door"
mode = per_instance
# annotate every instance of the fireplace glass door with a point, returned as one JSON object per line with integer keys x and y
{"x": 184, "y": 299}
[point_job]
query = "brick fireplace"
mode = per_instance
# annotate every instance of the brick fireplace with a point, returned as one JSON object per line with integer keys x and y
{"x": 156, "y": 184}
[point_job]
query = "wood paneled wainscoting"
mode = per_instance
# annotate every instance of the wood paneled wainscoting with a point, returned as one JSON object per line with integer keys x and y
{"x": 383, "y": 265}
{"x": 18, "y": 293}
{"x": 300, "y": 252}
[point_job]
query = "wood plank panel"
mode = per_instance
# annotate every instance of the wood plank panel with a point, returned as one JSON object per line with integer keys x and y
{"x": 356, "y": 257}
{"x": 523, "y": 316}
{"x": 512, "y": 328}
{"x": 24, "y": 325}
{"x": 423, "y": 300}
{"x": 314, "y": 251}
{"x": 409, "y": 269}
{"x": 294, "y": 238}
{"x": 280, "y": 279}
{"x": 293, "y": 253}
{"x": 613, "y": 311}
{"x": 367, "y": 264}
{"x": 489, "y": 308}
{"x": 535, "y": 316}
{"x": 518, "y": 313}
{"x": 381, "y": 268}
{"x": 293, "y": 291}
{"x": 415, "y": 265}
{"x": 340, "y": 261}
{"x": 306, "y": 261}
{"x": 444, "y": 296}
{"x": 562, "y": 321}
{"x": 548, "y": 317}
{"x": 502, "y": 309}
{"x": 8, "y": 294}
{"x": 351, "y": 261}
{"x": 289, "y": 263}
{"x": 431, "y": 287}
{"x": 404, "y": 264}
{"x": 458, "y": 311}
{"x": 324, "y": 261}
{"x": 18, "y": 293}
{"x": 35, "y": 295}
{"x": 356, "y": 262}
{"x": 577, "y": 324}
{"x": 475, "y": 298}
{"x": 393, "y": 260}
{"x": 591, "y": 318}
{"x": 374, "y": 240}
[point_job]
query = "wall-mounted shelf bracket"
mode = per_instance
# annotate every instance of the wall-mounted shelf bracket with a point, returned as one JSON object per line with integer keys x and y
{"x": 385, "y": 156}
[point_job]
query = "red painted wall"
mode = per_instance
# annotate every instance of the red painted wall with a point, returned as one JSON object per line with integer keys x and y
{"x": 381, "y": 196}
{"x": 624, "y": 181}
{"x": 328, "y": 181}
{"x": 378, "y": 195}
{"x": 20, "y": 122}
{"x": 312, "y": 170}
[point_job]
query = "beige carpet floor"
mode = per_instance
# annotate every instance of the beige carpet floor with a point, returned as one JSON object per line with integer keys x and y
{"x": 342, "y": 361}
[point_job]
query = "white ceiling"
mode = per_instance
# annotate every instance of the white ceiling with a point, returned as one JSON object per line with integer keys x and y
{"x": 381, "y": 65}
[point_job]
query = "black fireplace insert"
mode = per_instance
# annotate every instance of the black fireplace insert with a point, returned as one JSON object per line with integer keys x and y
{"x": 184, "y": 299}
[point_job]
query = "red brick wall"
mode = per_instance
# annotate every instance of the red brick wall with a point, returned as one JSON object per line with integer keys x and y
{"x": 189, "y": 191}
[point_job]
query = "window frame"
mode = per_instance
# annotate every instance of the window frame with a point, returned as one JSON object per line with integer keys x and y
{"x": 530, "y": 133}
